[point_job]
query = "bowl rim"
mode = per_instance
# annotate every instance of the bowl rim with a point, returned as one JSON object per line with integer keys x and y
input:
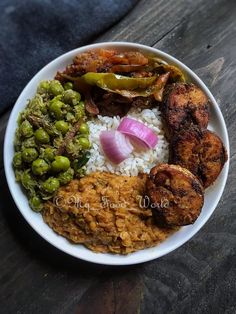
{"x": 124, "y": 260}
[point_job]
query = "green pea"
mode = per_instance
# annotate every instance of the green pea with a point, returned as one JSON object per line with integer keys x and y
{"x": 27, "y": 181}
{"x": 55, "y": 88}
{"x": 71, "y": 97}
{"x": 51, "y": 185}
{"x": 68, "y": 85}
{"x": 35, "y": 203}
{"x": 56, "y": 109}
{"x": 42, "y": 136}
{"x": 84, "y": 129}
{"x": 40, "y": 167}
{"x": 84, "y": 142}
{"x": 26, "y": 129}
{"x": 29, "y": 154}
{"x": 17, "y": 160}
{"x": 61, "y": 163}
{"x": 62, "y": 126}
{"x": 49, "y": 153}
{"x": 66, "y": 176}
{"x": 43, "y": 87}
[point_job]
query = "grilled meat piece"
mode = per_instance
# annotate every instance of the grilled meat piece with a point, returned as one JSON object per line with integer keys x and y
{"x": 200, "y": 151}
{"x": 175, "y": 194}
{"x": 183, "y": 105}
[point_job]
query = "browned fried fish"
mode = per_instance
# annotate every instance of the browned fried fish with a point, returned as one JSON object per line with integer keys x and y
{"x": 176, "y": 195}
{"x": 200, "y": 151}
{"x": 183, "y": 105}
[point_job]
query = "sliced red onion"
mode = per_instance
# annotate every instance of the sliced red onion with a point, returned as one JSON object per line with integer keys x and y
{"x": 116, "y": 146}
{"x": 138, "y": 132}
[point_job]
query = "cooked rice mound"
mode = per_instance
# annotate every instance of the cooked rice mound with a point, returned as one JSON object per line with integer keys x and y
{"x": 105, "y": 212}
{"x": 138, "y": 161}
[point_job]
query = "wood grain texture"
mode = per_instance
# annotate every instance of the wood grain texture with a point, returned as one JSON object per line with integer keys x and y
{"x": 199, "y": 277}
{"x": 151, "y": 20}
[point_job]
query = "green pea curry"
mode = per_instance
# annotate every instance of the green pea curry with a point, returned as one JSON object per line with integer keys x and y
{"x": 51, "y": 141}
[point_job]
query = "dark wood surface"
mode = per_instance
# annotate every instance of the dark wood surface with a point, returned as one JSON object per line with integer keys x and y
{"x": 199, "y": 277}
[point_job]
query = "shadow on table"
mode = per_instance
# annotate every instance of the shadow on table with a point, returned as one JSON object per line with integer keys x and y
{"x": 29, "y": 240}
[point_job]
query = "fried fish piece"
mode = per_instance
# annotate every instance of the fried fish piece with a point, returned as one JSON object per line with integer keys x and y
{"x": 176, "y": 195}
{"x": 184, "y": 104}
{"x": 200, "y": 151}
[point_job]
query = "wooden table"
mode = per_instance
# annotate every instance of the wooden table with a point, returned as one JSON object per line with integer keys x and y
{"x": 199, "y": 277}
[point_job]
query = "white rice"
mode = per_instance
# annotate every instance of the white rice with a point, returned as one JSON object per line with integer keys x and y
{"x": 138, "y": 161}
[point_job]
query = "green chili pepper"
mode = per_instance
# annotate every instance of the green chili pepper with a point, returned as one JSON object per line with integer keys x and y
{"x": 128, "y": 86}
{"x": 159, "y": 66}
{"x": 111, "y": 81}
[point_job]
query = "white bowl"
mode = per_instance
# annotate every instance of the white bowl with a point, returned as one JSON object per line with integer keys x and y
{"x": 212, "y": 195}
